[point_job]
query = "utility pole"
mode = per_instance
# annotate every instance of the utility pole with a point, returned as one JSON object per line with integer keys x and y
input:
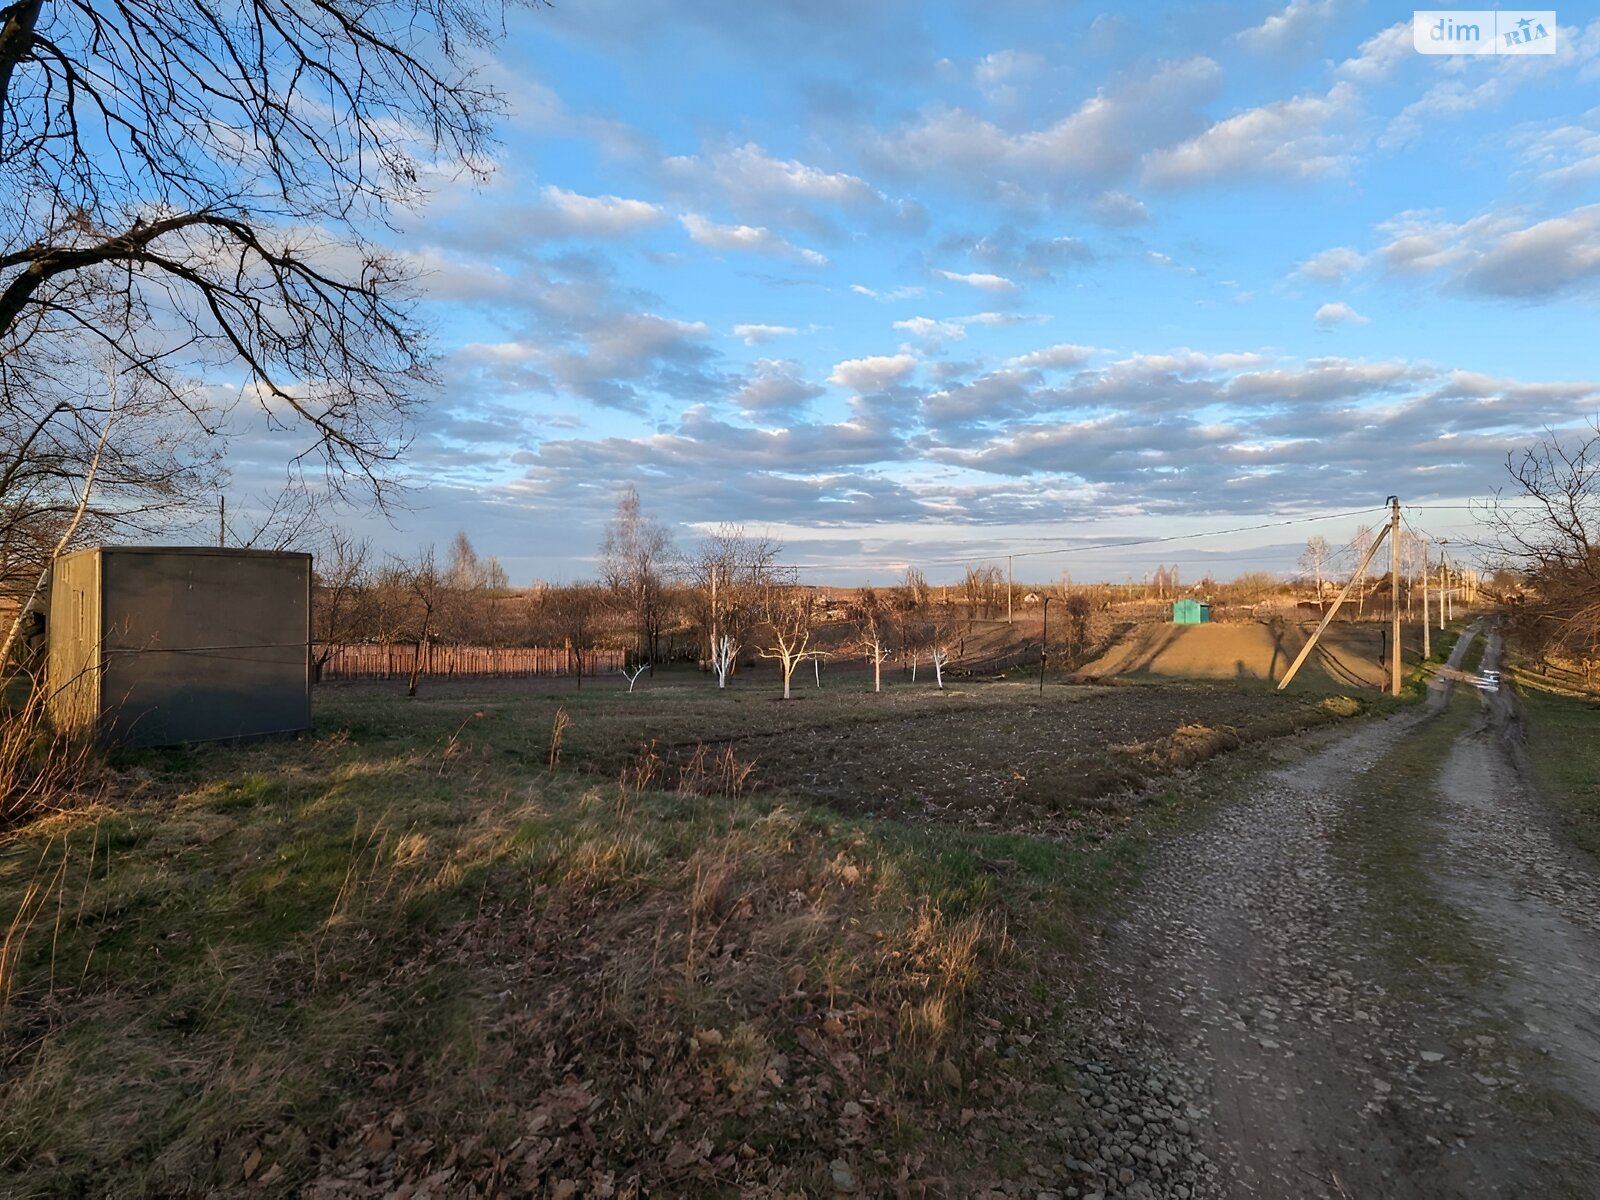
{"x": 1327, "y": 617}
{"x": 222, "y": 520}
{"x": 1394, "y": 595}
{"x": 1427, "y": 648}
{"x": 1044, "y": 644}
{"x": 1444, "y": 580}
{"x": 1010, "y": 587}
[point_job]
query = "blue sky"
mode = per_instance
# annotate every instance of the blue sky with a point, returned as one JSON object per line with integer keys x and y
{"x": 905, "y": 282}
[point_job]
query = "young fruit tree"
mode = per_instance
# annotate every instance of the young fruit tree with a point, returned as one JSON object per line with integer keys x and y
{"x": 723, "y": 656}
{"x": 941, "y": 636}
{"x": 790, "y": 619}
{"x": 728, "y": 577}
{"x": 874, "y": 621}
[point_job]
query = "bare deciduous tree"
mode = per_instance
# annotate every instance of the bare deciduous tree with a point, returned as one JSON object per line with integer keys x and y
{"x": 425, "y": 582}
{"x": 1314, "y": 559}
{"x": 1550, "y": 532}
{"x": 187, "y": 189}
{"x": 729, "y": 576}
{"x": 633, "y": 558}
{"x": 344, "y": 585}
{"x": 874, "y": 621}
{"x": 789, "y": 615}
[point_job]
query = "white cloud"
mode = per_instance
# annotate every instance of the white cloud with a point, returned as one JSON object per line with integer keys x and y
{"x": 1379, "y": 54}
{"x": 1338, "y": 313}
{"x": 872, "y": 374}
{"x": 1298, "y": 24}
{"x": 1288, "y": 138}
{"x": 1334, "y": 265}
{"x": 776, "y": 387}
{"x": 933, "y": 330}
{"x": 895, "y": 293}
{"x": 1119, "y": 208}
{"x": 979, "y": 279}
{"x": 748, "y": 177}
{"x": 1499, "y": 253}
{"x": 998, "y": 75}
{"x": 755, "y": 335}
{"x": 753, "y": 238}
{"x": 1106, "y": 135}
{"x": 1566, "y": 154}
{"x": 1060, "y": 357}
{"x": 571, "y": 214}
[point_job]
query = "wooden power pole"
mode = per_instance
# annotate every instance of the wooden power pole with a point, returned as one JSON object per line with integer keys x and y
{"x": 1427, "y": 647}
{"x": 1010, "y": 587}
{"x": 1394, "y": 595}
{"x": 1327, "y": 617}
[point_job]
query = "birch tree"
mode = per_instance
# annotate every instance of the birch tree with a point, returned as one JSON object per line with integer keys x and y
{"x": 633, "y": 560}
{"x": 1314, "y": 559}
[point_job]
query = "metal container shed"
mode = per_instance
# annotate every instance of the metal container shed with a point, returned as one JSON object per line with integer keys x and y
{"x": 1191, "y": 612}
{"x": 160, "y": 645}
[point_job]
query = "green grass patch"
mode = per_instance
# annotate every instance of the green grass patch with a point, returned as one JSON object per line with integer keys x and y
{"x": 1564, "y": 743}
{"x": 238, "y": 966}
{"x": 1389, "y": 830}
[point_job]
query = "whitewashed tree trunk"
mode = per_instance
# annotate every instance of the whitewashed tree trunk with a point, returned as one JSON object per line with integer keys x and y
{"x": 723, "y": 652}
{"x": 633, "y": 675}
{"x": 940, "y": 657}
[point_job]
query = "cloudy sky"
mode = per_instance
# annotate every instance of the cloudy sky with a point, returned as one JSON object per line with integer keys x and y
{"x": 916, "y": 282}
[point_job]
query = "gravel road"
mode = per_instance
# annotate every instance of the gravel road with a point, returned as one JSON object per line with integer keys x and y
{"x": 1257, "y": 1017}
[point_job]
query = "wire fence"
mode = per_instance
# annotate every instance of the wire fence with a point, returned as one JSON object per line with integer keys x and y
{"x": 395, "y": 660}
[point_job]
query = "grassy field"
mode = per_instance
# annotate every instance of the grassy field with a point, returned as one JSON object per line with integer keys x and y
{"x": 1564, "y": 740}
{"x": 408, "y": 950}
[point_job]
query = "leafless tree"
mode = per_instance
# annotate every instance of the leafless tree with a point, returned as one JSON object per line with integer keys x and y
{"x": 874, "y": 621}
{"x": 344, "y": 588}
{"x": 941, "y": 633}
{"x": 790, "y": 616}
{"x": 575, "y": 612}
{"x": 185, "y": 189}
{"x": 633, "y": 560}
{"x": 1549, "y": 530}
{"x": 1314, "y": 559}
{"x": 914, "y": 592}
{"x": 723, "y": 655}
{"x": 985, "y": 589}
{"x": 425, "y": 582}
{"x": 1356, "y": 553}
{"x": 729, "y": 578}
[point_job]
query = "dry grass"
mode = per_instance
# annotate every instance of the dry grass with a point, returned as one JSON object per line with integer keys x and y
{"x": 409, "y": 950}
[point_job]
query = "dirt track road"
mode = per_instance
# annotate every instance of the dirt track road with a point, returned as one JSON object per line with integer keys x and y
{"x": 1333, "y": 1040}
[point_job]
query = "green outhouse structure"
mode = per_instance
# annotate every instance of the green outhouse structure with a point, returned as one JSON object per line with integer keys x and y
{"x": 1191, "y": 612}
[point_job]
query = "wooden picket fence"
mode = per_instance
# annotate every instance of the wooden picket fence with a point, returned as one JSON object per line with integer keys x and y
{"x": 393, "y": 661}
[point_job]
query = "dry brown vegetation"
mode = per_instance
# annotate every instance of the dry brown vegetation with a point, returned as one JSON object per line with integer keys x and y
{"x": 408, "y": 951}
